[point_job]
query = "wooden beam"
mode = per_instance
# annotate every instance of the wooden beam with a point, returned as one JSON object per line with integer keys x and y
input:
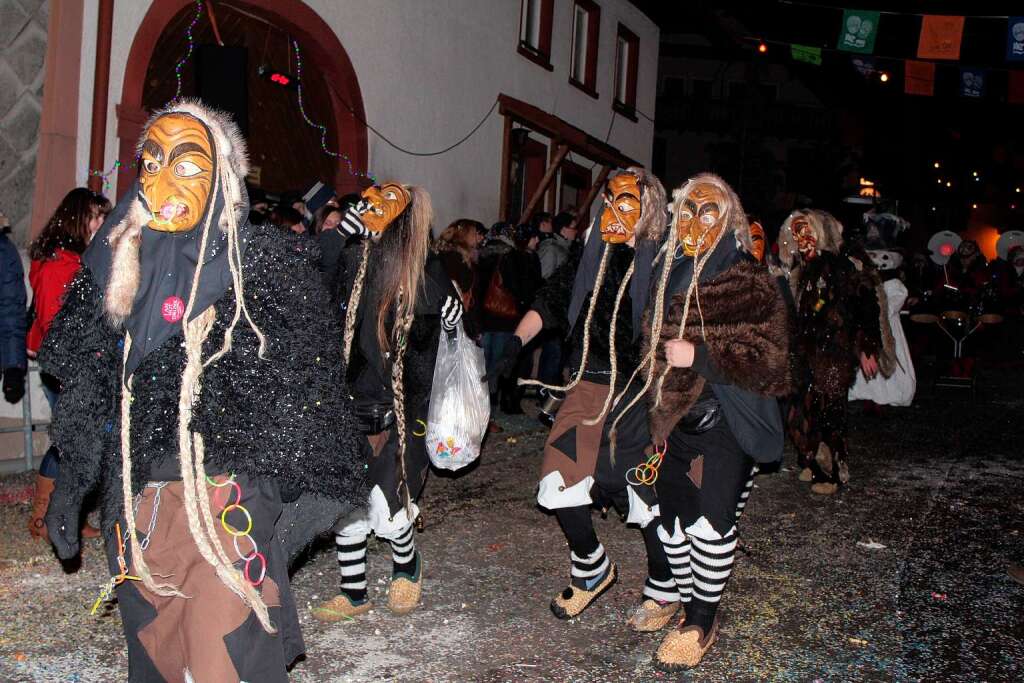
{"x": 591, "y": 194}
{"x": 555, "y": 128}
{"x": 549, "y": 176}
{"x": 506, "y": 153}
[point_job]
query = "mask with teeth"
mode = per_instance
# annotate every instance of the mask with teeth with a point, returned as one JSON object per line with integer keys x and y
{"x": 177, "y": 172}
{"x": 621, "y": 209}
{"x": 699, "y": 218}
{"x": 382, "y": 204}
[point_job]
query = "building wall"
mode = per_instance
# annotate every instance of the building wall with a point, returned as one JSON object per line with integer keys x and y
{"x": 22, "y": 57}
{"x": 429, "y": 71}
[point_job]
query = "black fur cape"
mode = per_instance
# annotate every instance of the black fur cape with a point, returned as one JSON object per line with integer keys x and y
{"x": 286, "y": 417}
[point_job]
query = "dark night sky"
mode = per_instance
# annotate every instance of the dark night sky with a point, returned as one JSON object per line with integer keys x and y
{"x": 902, "y": 135}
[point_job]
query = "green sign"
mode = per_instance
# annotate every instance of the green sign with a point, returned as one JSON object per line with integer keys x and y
{"x": 857, "y": 34}
{"x": 806, "y": 53}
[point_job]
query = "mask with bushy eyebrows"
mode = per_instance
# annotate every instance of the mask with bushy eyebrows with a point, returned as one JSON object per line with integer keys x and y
{"x": 621, "y": 209}
{"x": 177, "y": 172}
{"x": 700, "y": 218}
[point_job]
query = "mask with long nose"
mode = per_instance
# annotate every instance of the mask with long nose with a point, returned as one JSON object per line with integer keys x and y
{"x": 621, "y": 209}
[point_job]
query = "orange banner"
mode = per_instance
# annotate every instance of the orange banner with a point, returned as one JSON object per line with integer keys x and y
{"x": 940, "y": 37}
{"x": 918, "y": 77}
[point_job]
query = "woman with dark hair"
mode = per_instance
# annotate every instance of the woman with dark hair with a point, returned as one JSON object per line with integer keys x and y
{"x": 458, "y": 249}
{"x": 399, "y": 301}
{"x": 56, "y": 259}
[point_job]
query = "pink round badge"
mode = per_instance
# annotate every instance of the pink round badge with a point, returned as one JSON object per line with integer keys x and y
{"x": 173, "y": 309}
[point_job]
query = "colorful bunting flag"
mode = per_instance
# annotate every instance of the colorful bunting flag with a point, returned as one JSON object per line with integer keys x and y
{"x": 1016, "y": 89}
{"x": 940, "y": 37}
{"x": 1015, "y": 39}
{"x": 865, "y": 66}
{"x": 806, "y": 53}
{"x": 972, "y": 82}
{"x": 919, "y": 77}
{"x": 857, "y": 34}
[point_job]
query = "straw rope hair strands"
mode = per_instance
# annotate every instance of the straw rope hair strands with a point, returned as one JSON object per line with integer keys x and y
{"x": 354, "y": 298}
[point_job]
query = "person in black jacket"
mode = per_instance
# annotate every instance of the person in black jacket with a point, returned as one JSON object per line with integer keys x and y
{"x": 12, "y": 319}
{"x": 401, "y": 299}
{"x": 597, "y": 301}
{"x": 203, "y": 392}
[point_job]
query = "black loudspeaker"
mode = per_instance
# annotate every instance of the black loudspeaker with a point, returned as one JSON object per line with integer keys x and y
{"x": 221, "y": 81}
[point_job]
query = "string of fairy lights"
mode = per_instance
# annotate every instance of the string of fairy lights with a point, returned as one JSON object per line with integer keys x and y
{"x": 107, "y": 175}
{"x": 322, "y": 128}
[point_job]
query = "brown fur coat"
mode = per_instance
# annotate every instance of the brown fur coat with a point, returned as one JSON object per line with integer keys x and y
{"x": 746, "y": 328}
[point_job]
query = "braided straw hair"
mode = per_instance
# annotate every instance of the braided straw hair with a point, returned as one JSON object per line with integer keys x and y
{"x": 735, "y": 226}
{"x": 353, "y": 302}
{"x": 650, "y": 227}
{"x": 191, "y": 451}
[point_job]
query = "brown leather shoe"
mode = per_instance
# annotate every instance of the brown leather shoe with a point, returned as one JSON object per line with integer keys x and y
{"x": 684, "y": 648}
{"x": 36, "y": 525}
{"x": 1016, "y": 573}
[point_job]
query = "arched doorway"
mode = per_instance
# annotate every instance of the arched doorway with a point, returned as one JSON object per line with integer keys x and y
{"x": 281, "y": 144}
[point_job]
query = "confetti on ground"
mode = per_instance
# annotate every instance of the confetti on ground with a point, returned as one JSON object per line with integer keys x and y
{"x": 808, "y": 602}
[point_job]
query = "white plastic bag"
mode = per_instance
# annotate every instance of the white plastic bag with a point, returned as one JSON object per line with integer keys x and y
{"x": 459, "y": 404}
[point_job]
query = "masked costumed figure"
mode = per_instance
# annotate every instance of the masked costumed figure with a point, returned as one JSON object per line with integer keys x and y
{"x": 202, "y": 390}
{"x": 598, "y": 298}
{"x": 842, "y": 323}
{"x": 400, "y": 301}
{"x": 714, "y": 359}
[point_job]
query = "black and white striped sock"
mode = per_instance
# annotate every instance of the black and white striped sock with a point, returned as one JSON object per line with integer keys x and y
{"x": 746, "y": 493}
{"x": 403, "y": 552}
{"x": 711, "y": 561}
{"x": 677, "y": 548}
{"x": 589, "y": 570}
{"x": 660, "y": 584}
{"x": 352, "y": 561}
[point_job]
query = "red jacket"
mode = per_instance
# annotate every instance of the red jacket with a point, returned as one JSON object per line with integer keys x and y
{"x": 49, "y": 280}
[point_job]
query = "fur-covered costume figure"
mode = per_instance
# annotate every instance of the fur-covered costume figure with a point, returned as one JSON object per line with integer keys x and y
{"x": 400, "y": 300}
{"x": 710, "y": 386}
{"x": 597, "y": 300}
{"x": 202, "y": 392}
{"x": 842, "y": 323}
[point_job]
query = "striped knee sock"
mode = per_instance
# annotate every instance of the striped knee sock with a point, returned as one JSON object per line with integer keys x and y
{"x": 352, "y": 561}
{"x": 403, "y": 553}
{"x": 677, "y": 547}
{"x": 711, "y": 561}
{"x": 589, "y": 570}
{"x": 746, "y": 493}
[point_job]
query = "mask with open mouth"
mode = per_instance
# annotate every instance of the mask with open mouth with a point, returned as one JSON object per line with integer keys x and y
{"x": 383, "y": 204}
{"x": 621, "y": 209}
{"x": 177, "y": 172}
{"x": 699, "y": 218}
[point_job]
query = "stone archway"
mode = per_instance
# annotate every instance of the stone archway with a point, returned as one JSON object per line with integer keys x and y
{"x": 322, "y": 51}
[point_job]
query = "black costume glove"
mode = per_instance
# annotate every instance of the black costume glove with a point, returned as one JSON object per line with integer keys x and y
{"x": 504, "y": 366}
{"x": 61, "y": 519}
{"x": 451, "y": 312}
{"x": 14, "y": 384}
{"x": 352, "y": 223}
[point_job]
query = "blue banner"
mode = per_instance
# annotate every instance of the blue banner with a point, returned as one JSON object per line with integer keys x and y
{"x": 972, "y": 82}
{"x": 1015, "y": 39}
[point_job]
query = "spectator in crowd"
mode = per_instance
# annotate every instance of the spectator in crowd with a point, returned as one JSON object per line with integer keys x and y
{"x": 12, "y": 317}
{"x": 259, "y": 207}
{"x": 458, "y": 248}
{"x": 543, "y": 225}
{"x": 56, "y": 258}
{"x": 508, "y": 276}
{"x": 554, "y": 251}
{"x": 287, "y": 218}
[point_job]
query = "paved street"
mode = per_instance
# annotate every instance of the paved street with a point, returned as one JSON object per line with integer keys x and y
{"x": 936, "y": 490}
